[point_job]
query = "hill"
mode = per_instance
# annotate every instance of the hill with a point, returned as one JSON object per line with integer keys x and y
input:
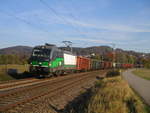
{"x": 90, "y": 50}
{"x": 17, "y": 50}
{"x": 26, "y": 51}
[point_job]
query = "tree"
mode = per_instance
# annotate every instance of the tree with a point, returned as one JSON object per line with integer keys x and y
{"x": 13, "y": 59}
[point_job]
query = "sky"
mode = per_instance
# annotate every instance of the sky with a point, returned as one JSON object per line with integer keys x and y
{"x": 125, "y": 23}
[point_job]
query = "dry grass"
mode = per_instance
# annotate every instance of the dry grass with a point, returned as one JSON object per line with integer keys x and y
{"x": 19, "y": 68}
{"x": 144, "y": 73}
{"x": 115, "y": 96}
{"x": 111, "y": 95}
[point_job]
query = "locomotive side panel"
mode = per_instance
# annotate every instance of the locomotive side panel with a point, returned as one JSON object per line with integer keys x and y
{"x": 70, "y": 61}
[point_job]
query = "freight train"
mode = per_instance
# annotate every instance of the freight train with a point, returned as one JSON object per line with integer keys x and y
{"x": 49, "y": 60}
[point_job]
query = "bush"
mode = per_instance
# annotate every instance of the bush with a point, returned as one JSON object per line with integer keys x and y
{"x": 112, "y": 73}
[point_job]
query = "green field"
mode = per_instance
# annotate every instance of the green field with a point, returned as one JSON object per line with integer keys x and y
{"x": 110, "y": 95}
{"x": 144, "y": 73}
{"x": 4, "y": 76}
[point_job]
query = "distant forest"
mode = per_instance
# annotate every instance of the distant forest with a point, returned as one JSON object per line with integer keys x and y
{"x": 13, "y": 59}
{"x": 21, "y": 54}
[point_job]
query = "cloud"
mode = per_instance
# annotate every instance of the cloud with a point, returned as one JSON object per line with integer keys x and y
{"x": 98, "y": 41}
{"x": 46, "y": 18}
{"x": 109, "y": 27}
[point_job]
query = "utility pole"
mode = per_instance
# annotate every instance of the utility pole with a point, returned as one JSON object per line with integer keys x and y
{"x": 114, "y": 55}
{"x": 68, "y": 44}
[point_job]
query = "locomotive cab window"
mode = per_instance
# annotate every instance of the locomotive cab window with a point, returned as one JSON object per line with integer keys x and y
{"x": 41, "y": 52}
{"x": 57, "y": 54}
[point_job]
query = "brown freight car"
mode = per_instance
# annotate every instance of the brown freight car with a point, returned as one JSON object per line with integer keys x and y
{"x": 83, "y": 64}
{"x": 107, "y": 65}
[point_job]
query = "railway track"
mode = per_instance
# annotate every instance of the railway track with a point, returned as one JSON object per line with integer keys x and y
{"x": 13, "y": 84}
{"x": 5, "y": 87}
{"x": 22, "y": 85}
{"x": 13, "y": 81}
{"x": 25, "y": 95}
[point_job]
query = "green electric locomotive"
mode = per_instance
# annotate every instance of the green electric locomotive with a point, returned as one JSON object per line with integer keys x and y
{"x": 49, "y": 60}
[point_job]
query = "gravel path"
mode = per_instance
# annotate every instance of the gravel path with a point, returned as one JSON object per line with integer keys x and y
{"x": 140, "y": 85}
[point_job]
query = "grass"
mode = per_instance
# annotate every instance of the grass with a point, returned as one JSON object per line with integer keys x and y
{"x": 143, "y": 73}
{"x": 110, "y": 95}
{"x": 19, "y": 68}
{"x": 4, "y": 76}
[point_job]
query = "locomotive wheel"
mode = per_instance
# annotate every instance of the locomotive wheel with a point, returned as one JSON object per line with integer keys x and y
{"x": 48, "y": 75}
{"x": 58, "y": 73}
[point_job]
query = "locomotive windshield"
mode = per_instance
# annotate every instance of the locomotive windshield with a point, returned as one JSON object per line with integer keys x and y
{"x": 41, "y": 52}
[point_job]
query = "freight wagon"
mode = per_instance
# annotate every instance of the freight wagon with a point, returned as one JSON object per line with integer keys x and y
{"x": 107, "y": 65}
{"x": 118, "y": 65}
{"x": 95, "y": 64}
{"x": 83, "y": 64}
{"x": 127, "y": 65}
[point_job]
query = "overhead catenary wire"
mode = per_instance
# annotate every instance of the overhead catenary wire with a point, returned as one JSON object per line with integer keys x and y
{"x": 76, "y": 19}
{"x": 23, "y": 20}
{"x": 65, "y": 20}
{"x": 61, "y": 17}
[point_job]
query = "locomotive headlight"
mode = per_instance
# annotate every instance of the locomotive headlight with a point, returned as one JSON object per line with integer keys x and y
{"x": 60, "y": 63}
{"x": 49, "y": 64}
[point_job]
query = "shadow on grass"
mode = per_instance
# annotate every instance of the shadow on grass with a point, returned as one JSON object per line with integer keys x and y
{"x": 131, "y": 105}
{"x": 79, "y": 104}
{"x": 99, "y": 78}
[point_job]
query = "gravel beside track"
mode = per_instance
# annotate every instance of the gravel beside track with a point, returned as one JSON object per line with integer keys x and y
{"x": 47, "y": 96}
